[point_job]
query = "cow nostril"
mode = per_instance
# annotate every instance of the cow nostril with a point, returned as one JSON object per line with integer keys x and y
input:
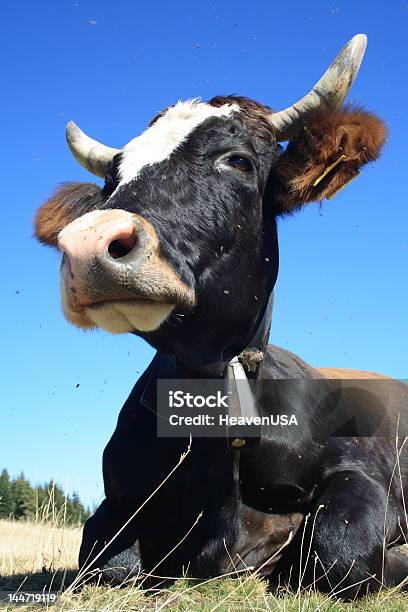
{"x": 122, "y": 246}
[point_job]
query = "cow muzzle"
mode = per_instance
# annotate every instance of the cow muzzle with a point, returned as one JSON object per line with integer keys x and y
{"x": 113, "y": 276}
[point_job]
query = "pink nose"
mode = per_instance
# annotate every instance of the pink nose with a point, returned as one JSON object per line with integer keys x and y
{"x": 108, "y": 232}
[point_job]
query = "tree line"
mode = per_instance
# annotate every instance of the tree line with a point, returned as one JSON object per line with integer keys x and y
{"x": 19, "y": 500}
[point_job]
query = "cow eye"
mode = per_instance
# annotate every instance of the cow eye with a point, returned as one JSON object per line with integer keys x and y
{"x": 240, "y": 163}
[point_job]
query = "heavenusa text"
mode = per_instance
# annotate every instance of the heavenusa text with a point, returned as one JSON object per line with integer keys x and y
{"x": 202, "y": 420}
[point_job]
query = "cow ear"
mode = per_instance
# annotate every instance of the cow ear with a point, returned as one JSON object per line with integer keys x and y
{"x": 325, "y": 155}
{"x": 69, "y": 202}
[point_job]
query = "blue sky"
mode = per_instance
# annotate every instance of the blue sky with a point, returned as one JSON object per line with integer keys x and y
{"x": 342, "y": 294}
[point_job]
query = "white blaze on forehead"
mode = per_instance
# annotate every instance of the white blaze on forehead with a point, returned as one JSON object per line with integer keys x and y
{"x": 159, "y": 141}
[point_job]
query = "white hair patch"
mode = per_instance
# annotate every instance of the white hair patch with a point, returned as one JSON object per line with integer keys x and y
{"x": 159, "y": 141}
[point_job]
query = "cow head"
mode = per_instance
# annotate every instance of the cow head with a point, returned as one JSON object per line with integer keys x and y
{"x": 180, "y": 245}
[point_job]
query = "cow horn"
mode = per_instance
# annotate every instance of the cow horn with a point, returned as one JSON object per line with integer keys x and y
{"x": 90, "y": 153}
{"x": 328, "y": 93}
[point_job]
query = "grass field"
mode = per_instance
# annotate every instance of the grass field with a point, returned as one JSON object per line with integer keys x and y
{"x": 39, "y": 557}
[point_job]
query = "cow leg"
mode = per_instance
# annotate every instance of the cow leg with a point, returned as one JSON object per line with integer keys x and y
{"x": 342, "y": 550}
{"x": 116, "y": 562}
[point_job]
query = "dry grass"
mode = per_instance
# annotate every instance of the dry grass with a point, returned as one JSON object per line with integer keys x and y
{"x": 40, "y": 557}
{"x": 26, "y": 548}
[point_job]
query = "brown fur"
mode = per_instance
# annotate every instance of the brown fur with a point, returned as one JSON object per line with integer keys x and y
{"x": 326, "y": 136}
{"x": 255, "y": 115}
{"x": 68, "y": 202}
{"x": 251, "y": 108}
{"x": 346, "y": 374}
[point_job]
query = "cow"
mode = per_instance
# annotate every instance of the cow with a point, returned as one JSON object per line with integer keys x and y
{"x": 180, "y": 247}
